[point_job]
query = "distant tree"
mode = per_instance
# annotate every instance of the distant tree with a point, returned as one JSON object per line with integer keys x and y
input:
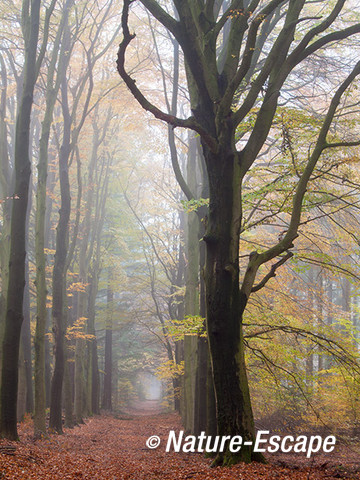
{"x": 266, "y": 42}
{"x": 76, "y": 106}
{"x": 60, "y": 265}
{"x": 107, "y": 391}
{"x": 60, "y": 59}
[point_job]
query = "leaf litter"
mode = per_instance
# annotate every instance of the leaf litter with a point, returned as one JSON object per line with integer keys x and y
{"x": 114, "y": 448}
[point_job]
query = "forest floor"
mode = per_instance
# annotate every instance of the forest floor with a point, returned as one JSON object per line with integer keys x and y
{"x": 113, "y": 448}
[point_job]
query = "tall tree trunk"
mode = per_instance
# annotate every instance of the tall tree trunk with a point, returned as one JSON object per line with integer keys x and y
{"x": 224, "y": 303}
{"x": 50, "y": 240}
{"x": 59, "y": 272}
{"x": 191, "y": 295}
{"x": 52, "y": 89}
{"x": 205, "y": 409}
{"x": 95, "y": 380}
{"x": 16, "y": 284}
{"x": 47, "y": 362}
{"x": 26, "y": 342}
{"x": 84, "y": 348}
{"x": 309, "y": 362}
{"x": 68, "y": 390}
{"x": 69, "y": 373}
{"x": 6, "y": 190}
{"x": 94, "y": 275}
{"x": 79, "y": 397}
{"x": 25, "y": 329}
{"x": 107, "y": 400}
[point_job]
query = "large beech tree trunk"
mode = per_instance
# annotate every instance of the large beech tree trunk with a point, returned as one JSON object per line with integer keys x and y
{"x": 224, "y": 303}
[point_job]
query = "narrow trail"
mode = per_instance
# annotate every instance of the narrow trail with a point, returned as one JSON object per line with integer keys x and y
{"x": 145, "y": 407}
{"x": 114, "y": 448}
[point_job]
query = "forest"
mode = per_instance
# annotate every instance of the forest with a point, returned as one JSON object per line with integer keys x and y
{"x": 179, "y": 239}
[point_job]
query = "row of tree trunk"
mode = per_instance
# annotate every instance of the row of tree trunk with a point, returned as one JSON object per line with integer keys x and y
{"x": 78, "y": 388}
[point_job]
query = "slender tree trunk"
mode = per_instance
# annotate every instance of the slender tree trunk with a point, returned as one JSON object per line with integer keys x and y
{"x": 52, "y": 89}
{"x": 200, "y": 400}
{"x": 309, "y": 367}
{"x": 68, "y": 391}
{"x": 25, "y": 329}
{"x": 191, "y": 296}
{"x": 41, "y": 290}
{"x": 49, "y": 241}
{"x": 95, "y": 380}
{"x": 328, "y": 361}
{"x": 6, "y": 190}
{"x": 107, "y": 403}
{"x": 59, "y": 272}
{"x": 84, "y": 348}
{"x": 16, "y": 284}
{"x": 26, "y": 341}
{"x": 69, "y": 372}
{"x": 47, "y": 362}
{"x": 79, "y": 398}
{"x": 94, "y": 276}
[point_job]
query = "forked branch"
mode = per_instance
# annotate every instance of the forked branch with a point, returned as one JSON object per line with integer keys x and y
{"x": 272, "y": 272}
{"x": 143, "y": 101}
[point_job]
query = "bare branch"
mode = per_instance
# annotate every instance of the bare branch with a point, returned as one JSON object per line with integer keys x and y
{"x": 355, "y": 143}
{"x": 172, "y": 108}
{"x": 40, "y": 58}
{"x": 321, "y": 27}
{"x": 143, "y": 101}
{"x": 160, "y": 14}
{"x": 272, "y": 272}
{"x": 298, "y": 55}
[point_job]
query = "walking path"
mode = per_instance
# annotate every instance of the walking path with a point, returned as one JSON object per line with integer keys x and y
{"x": 114, "y": 448}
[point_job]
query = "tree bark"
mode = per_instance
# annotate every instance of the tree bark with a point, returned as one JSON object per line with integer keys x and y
{"x": 6, "y": 190}
{"x": 59, "y": 272}
{"x": 26, "y": 342}
{"x": 52, "y": 89}
{"x": 224, "y": 303}
{"x": 15, "y": 291}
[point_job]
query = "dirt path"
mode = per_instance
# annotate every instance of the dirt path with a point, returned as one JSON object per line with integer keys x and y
{"x": 145, "y": 407}
{"x": 110, "y": 448}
